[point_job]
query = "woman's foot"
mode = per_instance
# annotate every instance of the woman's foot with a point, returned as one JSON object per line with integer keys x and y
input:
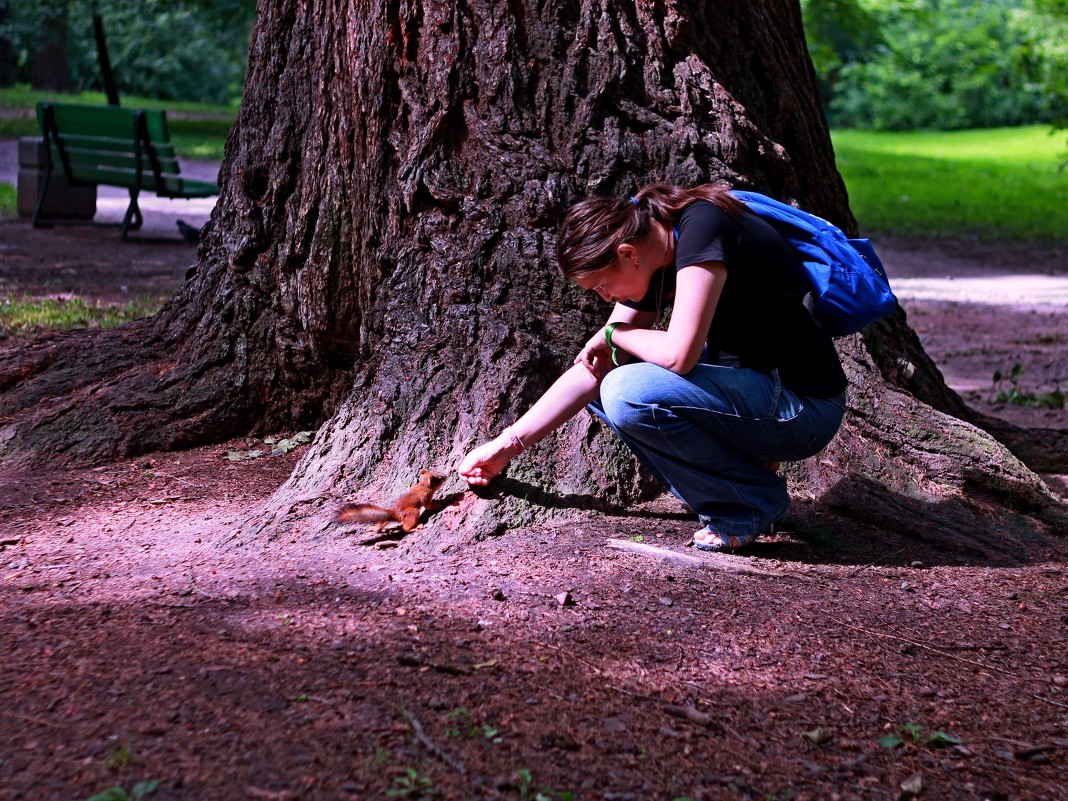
{"x": 708, "y": 539}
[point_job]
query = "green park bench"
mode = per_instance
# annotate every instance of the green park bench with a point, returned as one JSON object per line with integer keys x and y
{"x": 114, "y": 146}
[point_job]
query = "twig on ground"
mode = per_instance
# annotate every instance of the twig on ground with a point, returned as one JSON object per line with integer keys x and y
{"x": 28, "y": 719}
{"x": 692, "y": 714}
{"x": 722, "y": 562}
{"x": 430, "y": 745}
{"x": 173, "y": 478}
{"x": 1050, "y": 701}
{"x": 924, "y": 646}
{"x": 413, "y": 660}
{"x": 205, "y": 593}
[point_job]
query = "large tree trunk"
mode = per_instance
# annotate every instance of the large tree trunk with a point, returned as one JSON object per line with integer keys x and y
{"x": 381, "y": 255}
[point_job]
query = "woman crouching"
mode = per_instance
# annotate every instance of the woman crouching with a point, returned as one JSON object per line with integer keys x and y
{"x": 741, "y": 378}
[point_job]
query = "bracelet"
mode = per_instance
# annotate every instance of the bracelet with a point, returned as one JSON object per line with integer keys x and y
{"x": 608, "y": 329}
{"x": 514, "y": 440}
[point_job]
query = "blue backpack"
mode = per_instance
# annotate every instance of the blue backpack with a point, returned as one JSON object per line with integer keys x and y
{"x": 849, "y": 285}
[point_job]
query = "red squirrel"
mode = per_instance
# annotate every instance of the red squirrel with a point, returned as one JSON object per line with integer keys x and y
{"x": 405, "y": 511}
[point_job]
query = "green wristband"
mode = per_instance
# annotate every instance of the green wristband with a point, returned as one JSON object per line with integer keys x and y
{"x": 608, "y": 329}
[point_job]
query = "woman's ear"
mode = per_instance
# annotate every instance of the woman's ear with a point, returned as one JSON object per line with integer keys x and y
{"x": 627, "y": 252}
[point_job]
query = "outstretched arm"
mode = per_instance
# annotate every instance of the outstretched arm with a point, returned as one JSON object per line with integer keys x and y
{"x": 563, "y": 400}
{"x": 569, "y": 394}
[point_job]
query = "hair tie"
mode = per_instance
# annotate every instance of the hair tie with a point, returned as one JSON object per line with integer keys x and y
{"x": 635, "y": 200}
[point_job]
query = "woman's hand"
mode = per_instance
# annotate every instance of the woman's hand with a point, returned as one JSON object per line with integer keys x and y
{"x": 596, "y": 356}
{"x": 485, "y": 462}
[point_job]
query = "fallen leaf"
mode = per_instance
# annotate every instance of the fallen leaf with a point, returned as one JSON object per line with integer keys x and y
{"x": 891, "y": 741}
{"x": 818, "y": 736}
{"x": 912, "y": 786}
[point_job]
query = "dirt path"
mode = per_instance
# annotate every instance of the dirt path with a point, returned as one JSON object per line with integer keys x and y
{"x": 142, "y": 638}
{"x": 984, "y": 310}
{"x": 141, "y": 641}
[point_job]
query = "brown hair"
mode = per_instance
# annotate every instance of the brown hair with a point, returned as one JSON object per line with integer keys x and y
{"x": 593, "y": 229}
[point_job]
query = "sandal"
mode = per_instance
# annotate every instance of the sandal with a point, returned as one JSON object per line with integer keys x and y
{"x": 728, "y": 543}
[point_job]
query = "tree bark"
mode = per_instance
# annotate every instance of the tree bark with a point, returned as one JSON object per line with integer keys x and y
{"x": 380, "y": 257}
{"x": 7, "y": 54}
{"x": 51, "y": 67}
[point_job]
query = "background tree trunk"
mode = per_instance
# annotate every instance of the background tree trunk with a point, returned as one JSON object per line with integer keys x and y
{"x": 51, "y": 68}
{"x": 381, "y": 255}
{"x": 7, "y": 54}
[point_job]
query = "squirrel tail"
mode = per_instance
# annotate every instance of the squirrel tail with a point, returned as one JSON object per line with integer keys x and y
{"x": 363, "y": 513}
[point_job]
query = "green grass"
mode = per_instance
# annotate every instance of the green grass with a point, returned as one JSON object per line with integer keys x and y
{"x": 21, "y": 96}
{"x": 199, "y": 138}
{"x": 198, "y": 130}
{"x": 995, "y": 184}
{"x": 25, "y": 315}
{"x": 9, "y": 200}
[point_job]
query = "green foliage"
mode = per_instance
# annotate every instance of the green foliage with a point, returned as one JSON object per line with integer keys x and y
{"x": 838, "y": 32}
{"x": 137, "y": 793}
{"x": 119, "y": 757}
{"x": 412, "y": 785}
{"x": 525, "y": 785}
{"x": 911, "y": 734}
{"x": 164, "y": 49}
{"x": 1012, "y": 394}
{"x": 1056, "y": 49}
{"x": 461, "y": 725}
{"x": 984, "y": 184}
{"x": 938, "y": 64}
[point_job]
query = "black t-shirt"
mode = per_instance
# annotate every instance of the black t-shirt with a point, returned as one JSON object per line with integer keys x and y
{"x": 760, "y": 318}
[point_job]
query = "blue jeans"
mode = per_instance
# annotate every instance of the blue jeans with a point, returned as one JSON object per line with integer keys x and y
{"x": 708, "y": 436}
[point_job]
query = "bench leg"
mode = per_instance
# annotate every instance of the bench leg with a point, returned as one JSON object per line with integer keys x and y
{"x": 133, "y": 218}
{"x": 41, "y": 193}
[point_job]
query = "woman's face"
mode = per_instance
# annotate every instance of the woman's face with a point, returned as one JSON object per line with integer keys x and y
{"x": 621, "y": 280}
{"x": 628, "y": 277}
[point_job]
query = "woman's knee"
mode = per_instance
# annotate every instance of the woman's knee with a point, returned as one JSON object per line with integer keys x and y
{"x": 629, "y": 393}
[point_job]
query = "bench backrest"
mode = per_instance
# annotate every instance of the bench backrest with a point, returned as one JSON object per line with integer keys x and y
{"x": 112, "y": 145}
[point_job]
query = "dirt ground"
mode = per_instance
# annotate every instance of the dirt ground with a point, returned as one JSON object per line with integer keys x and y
{"x": 597, "y": 658}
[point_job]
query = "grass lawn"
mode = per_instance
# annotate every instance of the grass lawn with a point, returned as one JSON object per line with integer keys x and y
{"x": 1002, "y": 183}
{"x": 8, "y": 200}
{"x": 198, "y": 130}
{"x": 21, "y": 314}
